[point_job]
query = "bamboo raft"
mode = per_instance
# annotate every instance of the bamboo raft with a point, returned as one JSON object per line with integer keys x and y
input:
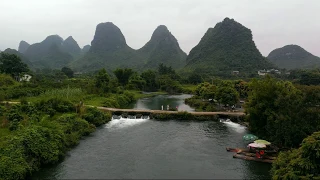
{"x": 242, "y": 156}
{"x": 246, "y": 155}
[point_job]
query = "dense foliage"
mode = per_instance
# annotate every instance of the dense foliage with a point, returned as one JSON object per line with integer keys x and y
{"x": 41, "y": 134}
{"x": 301, "y": 163}
{"x": 210, "y": 97}
{"x": 306, "y": 77}
{"x": 12, "y": 64}
{"x": 281, "y": 113}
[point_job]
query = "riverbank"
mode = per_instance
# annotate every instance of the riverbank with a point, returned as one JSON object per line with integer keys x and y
{"x": 34, "y": 135}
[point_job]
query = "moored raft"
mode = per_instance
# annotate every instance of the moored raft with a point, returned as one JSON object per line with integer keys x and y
{"x": 237, "y": 150}
{"x": 250, "y": 158}
{"x": 254, "y": 155}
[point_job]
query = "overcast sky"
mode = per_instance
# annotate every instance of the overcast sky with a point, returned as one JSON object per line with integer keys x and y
{"x": 274, "y": 23}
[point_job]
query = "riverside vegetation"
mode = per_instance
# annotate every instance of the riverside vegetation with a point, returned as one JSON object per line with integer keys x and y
{"x": 51, "y": 117}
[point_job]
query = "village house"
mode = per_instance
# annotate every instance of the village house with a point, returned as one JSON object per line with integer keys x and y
{"x": 25, "y": 77}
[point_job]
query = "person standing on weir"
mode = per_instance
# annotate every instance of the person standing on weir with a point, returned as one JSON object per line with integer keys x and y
{"x": 168, "y": 107}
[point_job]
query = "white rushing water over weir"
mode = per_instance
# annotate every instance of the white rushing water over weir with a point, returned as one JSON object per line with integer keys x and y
{"x": 118, "y": 122}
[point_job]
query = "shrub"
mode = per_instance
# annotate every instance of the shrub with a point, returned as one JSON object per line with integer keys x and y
{"x": 14, "y": 115}
{"x": 96, "y": 117}
{"x": 55, "y": 105}
{"x": 74, "y": 128}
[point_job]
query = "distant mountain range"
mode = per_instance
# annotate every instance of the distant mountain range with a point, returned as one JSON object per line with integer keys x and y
{"x": 294, "y": 57}
{"x": 110, "y": 50}
{"x": 225, "y": 48}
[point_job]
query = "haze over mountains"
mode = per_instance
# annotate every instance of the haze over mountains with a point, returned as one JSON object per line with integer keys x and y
{"x": 23, "y": 46}
{"x": 293, "y": 57}
{"x": 110, "y": 50}
{"x": 227, "y": 47}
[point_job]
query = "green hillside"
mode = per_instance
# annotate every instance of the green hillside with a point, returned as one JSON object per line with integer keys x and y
{"x": 163, "y": 48}
{"x": 48, "y": 53}
{"x": 294, "y": 57}
{"x": 225, "y": 48}
{"x": 108, "y": 50}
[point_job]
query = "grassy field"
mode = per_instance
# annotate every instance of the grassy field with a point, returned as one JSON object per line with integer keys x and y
{"x": 189, "y": 88}
{"x": 95, "y": 100}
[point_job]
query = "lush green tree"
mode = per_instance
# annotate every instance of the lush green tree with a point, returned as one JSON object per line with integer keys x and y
{"x": 123, "y": 75}
{"x": 277, "y": 112}
{"x": 6, "y": 81}
{"x": 102, "y": 80}
{"x": 67, "y": 71}
{"x": 242, "y": 88}
{"x": 227, "y": 95}
{"x": 205, "y": 91}
{"x": 136, "y": 82}
{"x": 164, "y": 70}
{"x": 301, "y": 163}
{"x": 169, "y": 85}
{"x": 149, "y": 77}
{"x": 12, "y": 64}
{"x": 195, "y": 78}
{"x": 59, "y": 76}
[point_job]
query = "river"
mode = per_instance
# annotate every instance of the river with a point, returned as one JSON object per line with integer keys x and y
{"x": 150, "y": 149}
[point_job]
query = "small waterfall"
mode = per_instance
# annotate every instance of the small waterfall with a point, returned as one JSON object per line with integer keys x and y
{"x": 235, "y": 126}
{"x": 119, "y": 122}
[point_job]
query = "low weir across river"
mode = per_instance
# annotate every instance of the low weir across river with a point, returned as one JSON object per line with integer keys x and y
{"x": 145, "y": 111}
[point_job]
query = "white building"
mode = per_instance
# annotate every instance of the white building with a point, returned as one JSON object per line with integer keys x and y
{"x": 25, "y": 77}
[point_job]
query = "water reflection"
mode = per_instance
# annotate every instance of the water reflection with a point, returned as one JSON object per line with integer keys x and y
{"x": 156, "y": 103}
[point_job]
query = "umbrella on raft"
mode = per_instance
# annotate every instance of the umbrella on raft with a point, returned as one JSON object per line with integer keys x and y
{"x": 250, "y": 137}
{"x": 261, "y": 141}
{"x": 257, "y": 145}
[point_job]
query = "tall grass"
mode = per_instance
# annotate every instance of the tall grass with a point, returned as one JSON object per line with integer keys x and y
{"x": 71, "y": 94}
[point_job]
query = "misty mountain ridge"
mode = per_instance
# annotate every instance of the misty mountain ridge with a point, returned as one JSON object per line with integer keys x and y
{"x": 227, "y": 47}
{"x": 53, "y": 52}
{"x": 110, "y": 50}
{"x": 71, "y": 46}
{"x": 85, "y": 48}
{"x": 23, "y": 46}
{"x": 294, "y": 57}
{"x": 164, "y": 48}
